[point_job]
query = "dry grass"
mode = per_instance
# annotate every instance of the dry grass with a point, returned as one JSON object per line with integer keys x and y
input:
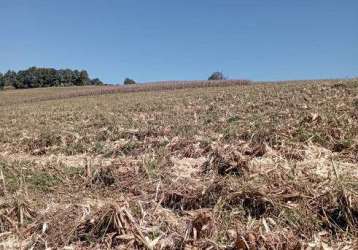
{"x": 271, "y": 166}
{"x": 12, "y": 97}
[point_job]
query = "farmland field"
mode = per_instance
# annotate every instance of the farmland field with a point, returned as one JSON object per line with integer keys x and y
{"x": 240, "y": 166}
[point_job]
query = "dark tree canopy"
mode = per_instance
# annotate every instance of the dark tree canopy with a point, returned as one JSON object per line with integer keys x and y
{"x": 2, "y": 82}
{"x": 217, "y": 76}
{"x": 128, "y": 81}
{"x": 46, "y": 77}
{"x": 96, "y": 81}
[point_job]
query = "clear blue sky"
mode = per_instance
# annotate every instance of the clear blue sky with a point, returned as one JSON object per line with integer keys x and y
{"x": 183, "y": 39}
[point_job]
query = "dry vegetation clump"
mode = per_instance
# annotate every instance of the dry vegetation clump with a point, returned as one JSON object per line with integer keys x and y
{"x": 15, "y": 213}
{"x": 264, "y": 166}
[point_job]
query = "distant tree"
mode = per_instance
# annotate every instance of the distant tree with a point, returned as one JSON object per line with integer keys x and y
{"x": 84, "y": 78}
{"x": 217, "y": 76}
{"x": 2, "y": 82}
{"x": 67, "y": 77}
{"x": 96, "y": 81}
{"x": 128, "y": 81}
{"x": 76, "y": 77}
{"x": 10, "y": 79}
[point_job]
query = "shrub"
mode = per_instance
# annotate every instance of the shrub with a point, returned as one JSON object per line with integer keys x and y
{"x": 217, "y": 76}
{"x": 128, "y": 81}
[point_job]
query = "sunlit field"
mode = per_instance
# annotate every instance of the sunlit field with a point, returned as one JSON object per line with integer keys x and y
{"x": 238, "y": 166}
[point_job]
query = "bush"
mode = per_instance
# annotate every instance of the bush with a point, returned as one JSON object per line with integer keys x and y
{"x": 217, "y": 76}
{"x": 128, "y": 81}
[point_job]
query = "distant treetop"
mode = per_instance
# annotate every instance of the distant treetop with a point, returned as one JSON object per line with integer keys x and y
{"x": 217, "y": 76}
{"x": 46, "y": 77}
{"x": 128, "y": 81}
{"x": 2, "y": 83}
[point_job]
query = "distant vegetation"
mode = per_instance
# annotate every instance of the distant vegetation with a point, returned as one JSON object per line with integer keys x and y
{"x": 46, "y": 77}
{"x": 217, "y": 76}
{"x": 128, "y": 81}
{"x": 49, "y": 77}
{"x": 1, "y": 81}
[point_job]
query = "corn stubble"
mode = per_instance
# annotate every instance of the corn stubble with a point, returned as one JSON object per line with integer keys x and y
{"x": 261, "y": 166}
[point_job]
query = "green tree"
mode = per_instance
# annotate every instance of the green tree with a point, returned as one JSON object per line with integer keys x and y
{"x": 84, "y": 78}
{"x": 2, "y": 82}
{"x": 47, "y": 77}
{"x": 96, "y": 81}
{"x": 128, "y": 81}
{"x": 10, "y": 79}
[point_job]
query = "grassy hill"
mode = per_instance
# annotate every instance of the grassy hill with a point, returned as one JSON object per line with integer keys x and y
{"x": 227, "y": 167}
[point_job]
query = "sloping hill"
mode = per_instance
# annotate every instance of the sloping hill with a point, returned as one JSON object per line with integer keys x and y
{"x": 262, "y": 165}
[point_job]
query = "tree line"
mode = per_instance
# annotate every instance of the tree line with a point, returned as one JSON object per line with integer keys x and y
{"x": 216, "y": 76}
{"x": 46, "y": 77}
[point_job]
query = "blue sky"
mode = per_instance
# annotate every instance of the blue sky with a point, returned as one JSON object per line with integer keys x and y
{"x": 183, "y": 39}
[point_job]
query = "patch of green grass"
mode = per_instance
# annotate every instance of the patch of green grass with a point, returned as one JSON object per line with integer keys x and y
{"x": 229, "y": 133}
{"x": 129, "y": 147}
{"x": 151, "y": 168}
{"x": 233, "y": 119}
{"x": 20, "y": 175}
{"x": 41, "y": 180}
{"x": 99, "y": 148}
{"x": 342, "y": 145}
{"x": 75, "y": 148}
{"x": 299, "y": 219}
{"x": 303, "y": 135}
{"x": 72, "y": 172}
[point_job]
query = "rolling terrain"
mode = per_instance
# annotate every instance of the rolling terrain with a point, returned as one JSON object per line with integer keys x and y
{"x": 180, "y": 166}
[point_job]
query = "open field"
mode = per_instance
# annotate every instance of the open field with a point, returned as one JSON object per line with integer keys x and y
{"x": 233, "y": 167}
{"x": 54, "y": 93}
